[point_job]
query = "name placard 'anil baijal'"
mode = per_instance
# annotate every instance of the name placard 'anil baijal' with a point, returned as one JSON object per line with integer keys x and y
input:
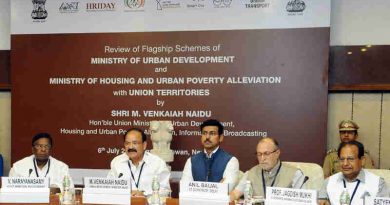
{"x": 204, "y": 188}
{"x": 195, "y": 192}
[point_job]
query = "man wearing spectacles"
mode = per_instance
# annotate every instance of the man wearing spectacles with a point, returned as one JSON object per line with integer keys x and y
{"x": 213, "y": 164}
{"x": 40, "y": 163}
{"x": 348, "y": 131}
{"x": 357, "y": 181}
{"x": 138, "y": 165}
{"x": 270, "y": 172}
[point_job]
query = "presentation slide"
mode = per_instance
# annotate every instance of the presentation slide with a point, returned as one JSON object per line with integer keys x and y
{"x": 87, "y": 71}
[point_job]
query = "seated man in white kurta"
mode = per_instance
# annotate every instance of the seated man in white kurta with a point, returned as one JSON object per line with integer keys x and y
{"x": 358, "y": 182}
{"x": 138, "y": 165}
{"x": 40, "y": 163}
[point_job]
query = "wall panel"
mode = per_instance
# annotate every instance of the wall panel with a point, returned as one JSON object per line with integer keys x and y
{"x": 385, "y": 132}
{"x": 371, "y": 112}
{"x": 5, "y": 128}
{"x": 367, "y": 114}
{"x": 339, "y": 108}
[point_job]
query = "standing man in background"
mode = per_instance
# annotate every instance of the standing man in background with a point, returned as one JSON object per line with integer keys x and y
{"x": 348, "y": 131}
{"x": 213, "y": 164}
{"x": 40, "y": 163}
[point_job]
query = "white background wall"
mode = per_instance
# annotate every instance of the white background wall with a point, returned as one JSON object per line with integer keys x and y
{"x": 5, "y": 128}
{"x": 360, "y": 22}
{"x": 5, "y": 41}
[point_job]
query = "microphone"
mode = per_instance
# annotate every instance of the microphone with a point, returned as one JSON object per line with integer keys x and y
{"x": 304, "y": 181}
{"x": 365, "y": 194}
{"x": 29, "y": 172}
{"x": 120, "y": 175}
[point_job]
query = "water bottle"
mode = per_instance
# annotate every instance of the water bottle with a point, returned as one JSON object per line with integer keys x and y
{"x": 155, "y": 200}
{"x": 345, "y": 199}
{"x": 248, "y": 193}
{"x": 67, "y": 196}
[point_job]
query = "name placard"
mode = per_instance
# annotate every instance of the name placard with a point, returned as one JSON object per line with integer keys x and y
{"x": 287, "y": 196}
{"x": 204, "y": 188}
{"x": 377, "y": 201}
{"x": 24, "y": 190}
{"x": 194, "y": 193}
{"x": 106, "y": 191}
{"x": 24, "y": 182}
{"x": 107, "y": 183}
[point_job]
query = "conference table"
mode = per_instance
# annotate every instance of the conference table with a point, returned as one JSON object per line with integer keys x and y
{"x": 54, "y": 199}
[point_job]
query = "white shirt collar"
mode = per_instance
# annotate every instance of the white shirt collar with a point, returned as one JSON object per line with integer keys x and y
{"x": 361, "y": 176}
{"x": 145, "y": 158}
{"x": 211, "y": 154}
{"x": 41, "y": 172}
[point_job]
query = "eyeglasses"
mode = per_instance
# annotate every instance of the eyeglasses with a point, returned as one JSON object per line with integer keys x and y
{"x": 265, "y": 154}
{"x": 211, "y": 133}
{"x": 42, "y": 146}
{"x": 349, "y": 159}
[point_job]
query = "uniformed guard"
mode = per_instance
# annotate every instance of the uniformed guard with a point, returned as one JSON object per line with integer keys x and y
{"x": 348, "y": 131}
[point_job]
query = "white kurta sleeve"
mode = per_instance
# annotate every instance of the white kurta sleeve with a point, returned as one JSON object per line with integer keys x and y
{"x": 231, "y": 173}
{"x": 187, "y": 171}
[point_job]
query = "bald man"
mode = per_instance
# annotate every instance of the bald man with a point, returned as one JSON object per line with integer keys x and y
{"x": 270, "y": 172}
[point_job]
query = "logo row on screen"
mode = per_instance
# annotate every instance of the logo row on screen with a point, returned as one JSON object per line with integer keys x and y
{"x": 40, "y": 12}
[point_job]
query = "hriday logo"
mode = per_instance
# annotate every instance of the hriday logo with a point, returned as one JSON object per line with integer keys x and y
{"x": 222, "y": 3}
{"x": 102, "y": 6}
{"x": 69, "y": 7}
{"x": 39, "y": 11}
{"x": 134, "y": 4}
{"x": 295, "y": 6}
